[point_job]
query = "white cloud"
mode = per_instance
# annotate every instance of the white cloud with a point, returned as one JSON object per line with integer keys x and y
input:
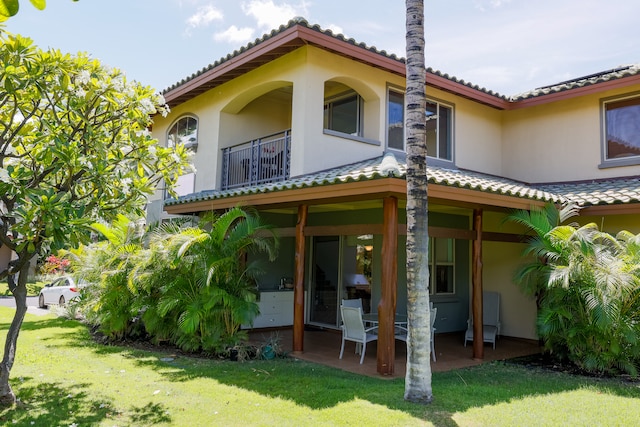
{"x": 234, "y": 34}
{"x": 494, "y": 4}
{"x": 204, "y": 16}
{"x": 335, "y": 29}
{"x": 269, "y": 15}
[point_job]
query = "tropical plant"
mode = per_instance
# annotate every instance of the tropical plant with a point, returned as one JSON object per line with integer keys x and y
{"x": 110, "y": 303}
{"x": 198, "y": 287}
{"x": 588, "y": 286}
{"x": 74, "y": 149}
{"x": 418, "y": 377}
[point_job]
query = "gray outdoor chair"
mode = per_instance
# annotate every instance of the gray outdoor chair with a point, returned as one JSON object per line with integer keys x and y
{"x": 353, "y": 330}
{"x": 490, "y": 319}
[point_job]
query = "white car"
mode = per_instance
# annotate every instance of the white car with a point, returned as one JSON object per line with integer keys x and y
{"x": 60, "y": 291}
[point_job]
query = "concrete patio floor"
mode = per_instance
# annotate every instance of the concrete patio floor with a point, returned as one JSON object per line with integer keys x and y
{"x": 323, "y": 347}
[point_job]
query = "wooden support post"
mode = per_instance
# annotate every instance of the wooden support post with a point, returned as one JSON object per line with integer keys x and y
{"x": 476, "y": 294}
{"x": 387, "y": 306}
{"x": 298, "y": 289}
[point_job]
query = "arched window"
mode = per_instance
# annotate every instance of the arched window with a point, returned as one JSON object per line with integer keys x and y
{"x": 184, "y": 131}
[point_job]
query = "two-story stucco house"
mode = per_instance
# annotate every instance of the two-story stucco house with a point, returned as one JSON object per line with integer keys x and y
{"x": 307, "y": 127}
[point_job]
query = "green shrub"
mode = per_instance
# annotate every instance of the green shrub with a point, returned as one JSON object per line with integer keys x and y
{"x": 588, "y": 288}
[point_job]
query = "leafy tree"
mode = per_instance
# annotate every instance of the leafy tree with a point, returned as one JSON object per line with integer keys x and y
{"x": 418, "y": 377}
{"x": 588, "y": 287}
{"x": 9, "y": 8}
{"x": 74, "y": 148}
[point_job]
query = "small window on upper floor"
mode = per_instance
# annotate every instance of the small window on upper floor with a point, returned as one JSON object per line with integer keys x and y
{"x": 184, "y": 131}
{"x": 621, "y": 131}
{"x": 343, "y": 113}
{"x": 438, "y": 124}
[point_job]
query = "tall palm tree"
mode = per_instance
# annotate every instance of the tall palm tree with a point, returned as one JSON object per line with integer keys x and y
{"x": 418, "y": 377}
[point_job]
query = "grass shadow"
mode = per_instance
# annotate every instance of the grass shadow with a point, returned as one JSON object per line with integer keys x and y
{"x": 317, "y": 387}
{"x": 49, "y": 404}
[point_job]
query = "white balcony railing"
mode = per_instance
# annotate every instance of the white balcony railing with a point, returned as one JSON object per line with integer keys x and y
{"x": 260, "y": 161}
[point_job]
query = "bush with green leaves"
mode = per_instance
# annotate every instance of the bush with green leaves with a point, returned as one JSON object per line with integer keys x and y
{"x": 588, "y": 288}
{"x": 110, "y": 303}
{"x": 191, "y": 286}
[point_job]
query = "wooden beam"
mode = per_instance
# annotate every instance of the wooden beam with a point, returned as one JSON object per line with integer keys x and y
{"x": 298, "y": 287}
{"x": 476, "y": 292}
{"x": 387, "y": 306}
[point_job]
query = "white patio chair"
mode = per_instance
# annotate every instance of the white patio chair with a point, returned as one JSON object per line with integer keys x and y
{"x": 401, "y": 332}
{"x": 352, "y": 303}
{"x": 490, "y": 319}
{"x": 353, "y": 330}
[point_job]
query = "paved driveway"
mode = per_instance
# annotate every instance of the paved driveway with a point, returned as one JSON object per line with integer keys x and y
{"x": 32, "y": 305}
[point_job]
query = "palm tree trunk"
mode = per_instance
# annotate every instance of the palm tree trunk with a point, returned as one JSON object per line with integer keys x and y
{"x": 418, "y": 377}
{"x": 7, "y": 397}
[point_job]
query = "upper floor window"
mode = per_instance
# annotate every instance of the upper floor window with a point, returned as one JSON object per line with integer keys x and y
{"x": 184, "y": 131}
{"x": 395, "y": 120}
{"x": 622, "y": 130}
{"x": 439, "y": 125}
{"x": 343, "y": 113}
{"x": 438, "y": 122}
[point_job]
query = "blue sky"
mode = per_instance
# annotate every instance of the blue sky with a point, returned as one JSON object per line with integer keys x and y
{"x": 508, "y": 46}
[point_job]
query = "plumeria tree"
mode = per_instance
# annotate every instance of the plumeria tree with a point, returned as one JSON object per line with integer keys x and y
{"x": 74, "y": 148}
{"x": 9, "y": 8}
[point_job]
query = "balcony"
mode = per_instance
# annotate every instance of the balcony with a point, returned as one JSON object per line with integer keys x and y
{"x": 260, "y": 161}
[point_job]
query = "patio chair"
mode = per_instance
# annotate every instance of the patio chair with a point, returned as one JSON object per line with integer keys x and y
{"x": 352, "y": 303}
{"x": 490, "y": 319}
{"x": 401, "y": 332}
{"x": 353, "y": 330}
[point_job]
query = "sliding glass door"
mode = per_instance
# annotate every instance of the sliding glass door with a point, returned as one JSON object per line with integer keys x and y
{"x": 340, "y": 269}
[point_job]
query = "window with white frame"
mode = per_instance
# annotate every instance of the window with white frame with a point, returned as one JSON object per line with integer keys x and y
{"x": 184, "y": 131}
{"x": 622, "y": 129}
{"x": 438, "y": 123}
{"x": 442, "y": 266}
{"x": 343, "y": 113}
{"x": 395, "y": 120}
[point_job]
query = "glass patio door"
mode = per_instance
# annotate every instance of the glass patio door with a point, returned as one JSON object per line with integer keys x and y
{"x": 340, "y": 269}
{"x": 324, "y": 289}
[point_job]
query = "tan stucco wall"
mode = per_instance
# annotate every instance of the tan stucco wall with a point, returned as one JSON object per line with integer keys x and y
{"x": 500, "y": 261}
{"x": 559, "y": 141}
{"x": 244, "y": 109}
{"x": 477, "y": 133}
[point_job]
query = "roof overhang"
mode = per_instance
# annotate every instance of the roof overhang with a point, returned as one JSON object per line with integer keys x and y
{"x": 295, "y": 36}
{"x": 357, "y": 191}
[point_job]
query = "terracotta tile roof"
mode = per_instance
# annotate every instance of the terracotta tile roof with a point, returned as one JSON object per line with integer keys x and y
{"x": 600, "y": 192}
{"x": 382, "y": 167}
{"x": 592, "y": 79}
{"x": 198, "y": 77}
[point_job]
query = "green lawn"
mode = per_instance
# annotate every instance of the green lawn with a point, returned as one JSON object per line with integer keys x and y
{"x": 63, "y": 378}
{"x": 33, "y": 288}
